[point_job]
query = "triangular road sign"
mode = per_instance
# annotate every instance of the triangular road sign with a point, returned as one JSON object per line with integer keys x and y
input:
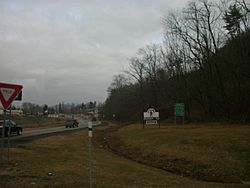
{"x": 8, "y": 93}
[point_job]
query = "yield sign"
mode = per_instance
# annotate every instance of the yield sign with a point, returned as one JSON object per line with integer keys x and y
{"x": 8, "y": 93}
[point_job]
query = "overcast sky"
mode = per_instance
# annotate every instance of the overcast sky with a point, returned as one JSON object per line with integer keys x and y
{"x": 69, "y": 50}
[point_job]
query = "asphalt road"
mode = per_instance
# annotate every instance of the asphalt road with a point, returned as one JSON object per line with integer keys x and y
{"x": 38, "y": 133}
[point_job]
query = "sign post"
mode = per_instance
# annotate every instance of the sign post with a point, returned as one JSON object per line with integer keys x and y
{"x": 90, "y": 154}
{"x": 2, "y": 142}
{"x": 8, "y": 93}
{"x": 179, "y": 111}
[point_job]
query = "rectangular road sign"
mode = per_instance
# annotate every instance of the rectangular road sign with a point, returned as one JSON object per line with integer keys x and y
{"x": 19, "y": 96}
{"x": 151, "y": 122}
{"x": 179, "y": 109}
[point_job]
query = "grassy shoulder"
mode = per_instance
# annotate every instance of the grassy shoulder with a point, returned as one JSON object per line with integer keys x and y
{"x": 66, "y": 157}
{"x": 208, "y": 152}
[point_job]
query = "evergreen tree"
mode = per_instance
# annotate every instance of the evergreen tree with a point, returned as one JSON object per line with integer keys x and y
{"x": 233, "y": 19}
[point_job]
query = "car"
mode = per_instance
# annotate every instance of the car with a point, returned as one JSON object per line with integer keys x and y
{"x": 71, "y": 123}
{"x": 10, "y": 128}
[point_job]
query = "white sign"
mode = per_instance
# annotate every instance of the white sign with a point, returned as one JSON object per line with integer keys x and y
{"x": 151, "y": 117}
{"x": 151, "y": 114}
{"x": 7, "y": 93}
{"x": 152, "y": 122}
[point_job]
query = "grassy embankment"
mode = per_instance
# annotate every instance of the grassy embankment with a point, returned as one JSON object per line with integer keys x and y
{"x": 65, "y": 156}
{"x": 212, "y": 152}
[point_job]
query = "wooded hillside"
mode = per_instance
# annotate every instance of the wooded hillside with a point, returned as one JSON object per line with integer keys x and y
{"x": 204, "y": 62}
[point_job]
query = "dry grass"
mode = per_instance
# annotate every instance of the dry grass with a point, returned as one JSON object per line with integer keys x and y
{"x": 66, "y": 157}
{"x": 207, "y": 152}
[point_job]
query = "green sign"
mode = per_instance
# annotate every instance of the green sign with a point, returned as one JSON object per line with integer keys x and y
{"x": 179, "y": 109}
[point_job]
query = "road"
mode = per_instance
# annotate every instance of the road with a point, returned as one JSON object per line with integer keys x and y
{"x": 32, "y": 134}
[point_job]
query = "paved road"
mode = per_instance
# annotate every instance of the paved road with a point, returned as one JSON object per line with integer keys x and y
{"x": 83, "y": 124}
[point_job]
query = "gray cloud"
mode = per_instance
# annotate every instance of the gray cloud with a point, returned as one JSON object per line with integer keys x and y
{"x": 69, "y": 50}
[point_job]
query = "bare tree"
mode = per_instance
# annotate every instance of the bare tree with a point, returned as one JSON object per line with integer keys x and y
{"x": 136, "y": 70}
{"x": 150, "y": 57}
{"x": 198, "y": 30}
{"x": 119, "y": 81}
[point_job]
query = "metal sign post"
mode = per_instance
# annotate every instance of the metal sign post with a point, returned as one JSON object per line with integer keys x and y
{"x": 8, "y": 93}
{"x": 90, "y": 154}
{"x": 2, "y": 141}
{"x": 9, "y": 131}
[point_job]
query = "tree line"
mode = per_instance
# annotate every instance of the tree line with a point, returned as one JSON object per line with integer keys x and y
{"x": 61, "y": 108}
{"x": 203, "y": 62}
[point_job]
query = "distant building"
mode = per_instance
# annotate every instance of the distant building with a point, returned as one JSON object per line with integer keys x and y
{"x": 14, "y": 112}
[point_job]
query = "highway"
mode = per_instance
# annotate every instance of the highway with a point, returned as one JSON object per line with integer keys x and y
{"x": 37, "y": 133}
